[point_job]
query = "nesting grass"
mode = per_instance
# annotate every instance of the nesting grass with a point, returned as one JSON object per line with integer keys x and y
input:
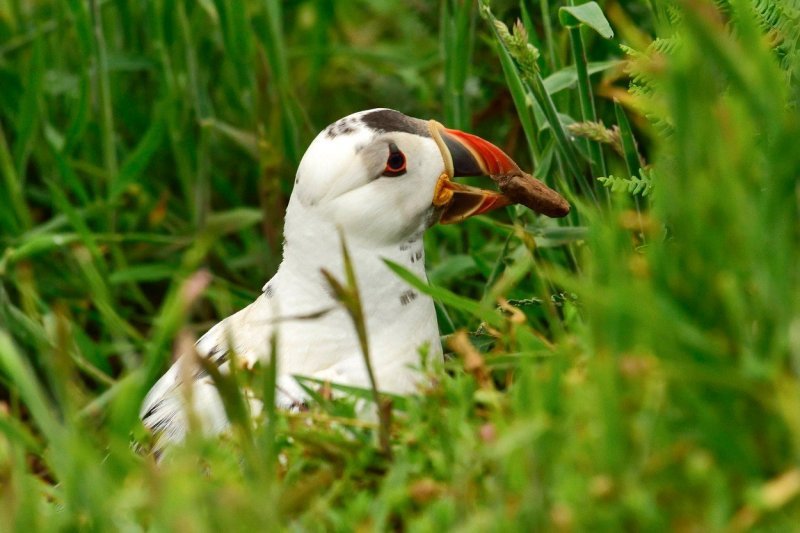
{"x": 636, "y": 365}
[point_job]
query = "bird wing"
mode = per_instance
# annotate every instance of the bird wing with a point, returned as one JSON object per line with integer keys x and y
{"x": 164, "y": 410}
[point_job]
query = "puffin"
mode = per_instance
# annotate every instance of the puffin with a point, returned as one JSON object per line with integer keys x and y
{"x": 377, "y": 180}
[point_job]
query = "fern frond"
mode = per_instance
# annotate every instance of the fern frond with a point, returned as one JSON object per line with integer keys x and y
{"x": 780, "y": 20}
{"x": 644, "y": 68}
{"x": 634, "y": 185}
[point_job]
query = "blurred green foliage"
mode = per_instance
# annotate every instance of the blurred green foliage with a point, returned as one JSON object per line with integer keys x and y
{"x": 640, "y": 360}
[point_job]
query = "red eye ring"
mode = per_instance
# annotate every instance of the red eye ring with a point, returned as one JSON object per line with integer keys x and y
{"x": 395, "y": 163}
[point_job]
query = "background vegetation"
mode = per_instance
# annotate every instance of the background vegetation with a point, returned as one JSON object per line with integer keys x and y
{"x": 638, "y": 362}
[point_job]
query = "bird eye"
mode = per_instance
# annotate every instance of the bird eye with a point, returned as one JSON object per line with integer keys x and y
{"x": 395, "y": 163}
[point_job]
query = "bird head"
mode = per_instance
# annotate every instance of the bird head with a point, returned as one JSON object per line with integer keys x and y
{"x": 382, "y": 176}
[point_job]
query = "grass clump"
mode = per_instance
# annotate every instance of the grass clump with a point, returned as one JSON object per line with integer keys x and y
{"x": 634, "y": 366}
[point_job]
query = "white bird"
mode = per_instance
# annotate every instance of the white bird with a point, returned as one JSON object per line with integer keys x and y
{"x": 380, "y": 179}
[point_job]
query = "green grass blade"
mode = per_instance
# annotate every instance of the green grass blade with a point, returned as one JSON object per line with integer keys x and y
{"x": 13, "y": 191}
{"x": 586, "y": 99}
{"x": 104, "y": 98}
{"x": 457, "y": 36}
{"x": 29, "y": 389}
{"x": 589, "y": 14}
{"x": 522, "y": 102}
{"x": 573, "y": 17}
{"x": 136, "y": 162}
{"x": 476, "y": 309}
{"x": 633, "y": 161}
{"x": 275, "y": 49}
{"x": 29, "y": 118}
{"x": 567, "y": 77}
{"x": 547, "y": 23}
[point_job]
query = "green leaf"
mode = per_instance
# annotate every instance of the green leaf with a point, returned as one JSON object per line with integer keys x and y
{"x": 589, "y": 14}
{"x": 567, "y": 77}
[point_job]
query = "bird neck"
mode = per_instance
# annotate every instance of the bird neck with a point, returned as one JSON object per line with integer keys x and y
{"x": 313, "y": 244}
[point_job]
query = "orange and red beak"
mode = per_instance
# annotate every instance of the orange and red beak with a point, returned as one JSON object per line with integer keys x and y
{"x": 464, "y": 155}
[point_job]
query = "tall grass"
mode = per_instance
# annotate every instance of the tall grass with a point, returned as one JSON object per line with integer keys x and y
{"x": 635, "y": 366}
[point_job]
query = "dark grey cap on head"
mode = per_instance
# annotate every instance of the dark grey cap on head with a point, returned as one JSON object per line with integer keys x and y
{"x": 388, "y": 120}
